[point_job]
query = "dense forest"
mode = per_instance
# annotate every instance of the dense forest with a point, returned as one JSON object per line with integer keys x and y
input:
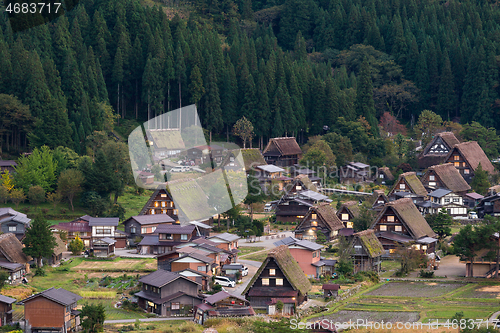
{"x": 291, "y": 67}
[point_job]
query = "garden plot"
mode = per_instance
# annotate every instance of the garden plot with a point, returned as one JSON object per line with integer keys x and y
{"x": 117, "y": 265}
{"x": 414, "y": 289}
{"x": 480, "y": 292}
{"x": 371, "y": 316}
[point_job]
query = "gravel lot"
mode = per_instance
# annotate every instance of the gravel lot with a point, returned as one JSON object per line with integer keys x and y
{"x": 414, "y": 289}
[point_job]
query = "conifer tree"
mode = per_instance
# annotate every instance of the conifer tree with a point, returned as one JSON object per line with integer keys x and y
{"x": 365, "y": 105}
{"x": 446, "y": 97}
{"x": 213, "y": 112}
{"x": 39, "y": 241}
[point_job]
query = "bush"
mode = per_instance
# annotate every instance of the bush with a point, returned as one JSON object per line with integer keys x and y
{"x": 367, "y": 276}
{"x": 426, "y": 274}
{"x": 4, "y": 276}
{"x": 40, "y": 271}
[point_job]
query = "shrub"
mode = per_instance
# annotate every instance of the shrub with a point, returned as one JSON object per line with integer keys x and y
{"x": 40, "y": 271}
{"x": 4, "y": 276}
{"x": 64, "y": 210}
{"x": 426, "y": 274}
{"x": 36, "y": 195}
{"x": 76, "y": 246}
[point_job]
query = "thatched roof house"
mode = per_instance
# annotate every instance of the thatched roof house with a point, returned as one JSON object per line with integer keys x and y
{"x": 466, "y": 157}
{"x": 445, "y": 176}
{"x": 409, "y": 182}
{"x": 435, "y": 152}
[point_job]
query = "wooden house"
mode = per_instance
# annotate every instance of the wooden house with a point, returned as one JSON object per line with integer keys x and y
{"x": 6, "y": 310}
{"x": 355, "y": 172}
{"x": 279, "y": 277}
{"x": 400, "y": 222}
{"x": 385, "y": 175}
{"x": 347, "y": 212}
{"x": 282, "y": 152}
{"x": 146, "y": 178}
{"x": 202, "y": 278}
{"x": 52, "y": 310}
{"x": 57, "y": 254}
{"x": 141, "y": 225}
{"x": 368, "y": 251}
{"x": 79, "y": 226}
{"x": 307, "y": 254}
{"x": 252, "y": 158}
{"x": 377, "y": 200}
{"x": 227, "y": 242}
{"x": 12, "y": 258}
{"x": 7, "y": 165}
{"x": 298, "y": 169}
{"x": 330, "y": 289}
{"x": 493, "y": 190}
{"x": 105, "y": 237}
{"x": 223, "y": 304}
{"x": 195, "y": 261}
{"x": 160, "y": 202}
{"x": 489, "y": 205}
{"x": 445, "y": 176}
{"x": 450, "y": 201}
{"x": 203, "y": 154}
{"x": 168, "y": 294}
{"x": 319, "y": 218}
{"x": 436, "y": 151}
{"x": 13, "y": 222}
{"x": 166, "y": 237}
{"x": 466, "y": 157}
{"x": 408, "y": 182}
{"x": 472, "y": 199}
{"x": 166, "y": 142}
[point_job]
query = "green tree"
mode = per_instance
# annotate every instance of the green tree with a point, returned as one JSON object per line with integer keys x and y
{"x": 447, "y": 98}
{"x": 7, "y": 181}
{"x": 341, "y": 147}
{"x": 39, "y": 241}
{"x": 244, "y": 129}
{"x": 70, "y": 184}
{"x": 440, "y": 223}
{"x": 54, "y": 198}
{"x": 76, "y": 245}
{"x": 345, "y": 265}
{"x": 365, "y": 218}
{"x": 196, "y": 86}
{"x": 428, "y": 124}
{"x": 471, "y": 240}
{"x": 17, "y": 196}
{"x": 93, "y": 316}
{"x": 36, "y": 195}
{"x": 213, "y": 112}
{"x": 39, "y": 168}
{"x": 487, "y": 138}
{"x": 480, "y": 182}
{"x": 95, "y": 203}
{"x": 4, "y": 195}
{"x": 319, "y": 157}
{"x": 4, "y": 277}
{"x": 320, "y": 237}
{"x": 365, "y": 106}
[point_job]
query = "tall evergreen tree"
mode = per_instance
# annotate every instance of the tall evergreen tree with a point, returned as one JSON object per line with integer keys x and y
{"x": 446, "y": 97}
{"x": 365, "y": 106}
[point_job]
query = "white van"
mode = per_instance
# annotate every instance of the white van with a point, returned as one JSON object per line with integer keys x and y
{"x": 224, "y": 281}
{"x": 268, "y": 207}
{"x": 180, "y": 168}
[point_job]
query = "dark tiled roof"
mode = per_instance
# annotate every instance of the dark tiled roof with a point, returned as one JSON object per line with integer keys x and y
{"x": 209, "y": 248}
{"x": 11, "y": 266}
{"x": 104, "y": 221}
{"x": 73, "y": 226}
{"x": 450, "y": 177}
{"x": 226, "y": 237}
{"x": 174, "y": 229}
{"x": 7, "y": 163}
{"x": 204, "y": 241}
{"x": 440, "y": 193}
{"x": 294, "y": 241}
{"x": 61, "y": 296}
{"x": 396, "y": 237}
{"x": 8, "y": 300}
{"x": 221, "y": 295}
{"x": 331, "y": 286}
{"x": 196, "y": 256}
{"x": 151, "y": 219}
{"x": 161, "y": 278}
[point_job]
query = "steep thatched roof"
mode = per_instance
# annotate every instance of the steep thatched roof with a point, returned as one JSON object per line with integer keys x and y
{"x": 351, "y": 206}
{"x": 252, "y": 158}
{"x": 370, "y": 242}
{"x": 285, "y": 146}
{"x": 410, "y": 216}
{"x": 387, "y": 172}
{"x": 12, "y": 249}
{"x": 375, "y": 195}
{"x": 473, "y": 154}
{"x": 290, "y": 268}
{"x": 166, "y": 138}
{"x": 326, "y": 212}
{"x": 413, "y": 182}
{"x": 450, "y": 177}
{"x": 61, "y": 246}
{"x": 448, "y": 137}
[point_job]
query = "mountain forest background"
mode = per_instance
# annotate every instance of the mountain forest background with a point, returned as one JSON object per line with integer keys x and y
{"x": 292, "y": 67}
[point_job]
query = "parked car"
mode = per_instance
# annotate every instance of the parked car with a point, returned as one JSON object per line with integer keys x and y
{"x": 244, "y": 271}
{"x": 224, "y": 281}
{"x": 268, "y": 207}
{"x": 180, "y": 168}
{"x": 473, "y": 215}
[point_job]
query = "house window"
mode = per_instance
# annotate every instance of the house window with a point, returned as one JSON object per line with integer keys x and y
{"x": 456, "y": 158}
{"x": 12, "y": 228}
{"x": 300, "y": 216}
{"x": 390, "y": 218}
{"x": 163, "y": 195}
{"x": 314, "y": 223}
{"x": 345, "y": 217}
{"x": 449, "y": 211}
{"x": 163, "y": 203}
{"x": 314, "y": 216}
{"x": 156, "y": 203}
{"x": 447, "y": 200}
{"x": 202, "y": 268}
{"x": 175, "y": 306}
{"x": 416, "y": 246}
{"x": 402, "y": 186}
{"x": 298, "y": 187}
{"x": 466, "y": 171}
{"x": 265, "y": 282}
{"x": 381, "y": 176}
{"x": 144, "y": 230}
{"x": 272, "y": 272}
{"x": 398, "y": 228}
{"x": 431, "y": 177}
{"x": 456, "y": 199}
{"x": 184, "y": 237}
{"x": 175, "y": 211}
{"x": 102, "y": 231}
{"x": 392, "y": 250}
{"x": 383, "y": 227}
{"x": 153, "y": 229}
{"x": 456, "y": 164}
{"x": 132, "y": 230}
{"x": 279, "y": 282}
{"x": 168, "y": 236}
{"x": 424, "y": 247}
{"x": 146, "y": 287}
{"x": 164, "y": 211}
{"x": 432, "y": 183}
{"x": 350, "y": 225}
{"x": 152, "y": 211}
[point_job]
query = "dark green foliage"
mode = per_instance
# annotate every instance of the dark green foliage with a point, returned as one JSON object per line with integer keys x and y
{"x": 480, "y": 182}
{"x": 94, "y": 203}
{"x": 93, "y": 316}
{"x": 39, "y": 241}
{"x": 440, "y": 223}
{"x": 4, "y": 276}
{"x": 487, "y": 138}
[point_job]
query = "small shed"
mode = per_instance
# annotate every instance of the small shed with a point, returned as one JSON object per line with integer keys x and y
{"x": 330, "y": 290}
{"x": 104, "y": 247}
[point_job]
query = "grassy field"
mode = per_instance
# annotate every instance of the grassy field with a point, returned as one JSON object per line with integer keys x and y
{"x": 244, "y": 250}
{"x": 390, "y": 267}
{"x": 118, "y": 265}
{"x": 429, "y": 301}
{"x": 133, "y": 202}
